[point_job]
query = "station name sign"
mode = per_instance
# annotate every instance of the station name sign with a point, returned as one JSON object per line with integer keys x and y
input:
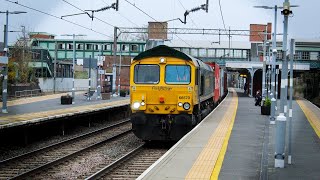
{"x": 3, "y": 60}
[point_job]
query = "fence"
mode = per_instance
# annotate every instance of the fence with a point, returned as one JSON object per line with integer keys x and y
{"x": 28, "y": 93}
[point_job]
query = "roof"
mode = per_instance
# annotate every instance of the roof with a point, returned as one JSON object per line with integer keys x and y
{"x": 41, "y": 33}
{"x": 162, "y": 51}
{"x": 88, "y": 41}
{"x": 209, "y": 44}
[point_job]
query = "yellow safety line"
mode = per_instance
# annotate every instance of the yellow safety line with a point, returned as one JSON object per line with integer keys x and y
{"x": 312, "y": 118}
{"x": 31, "y": 116}
{"x": 207, "y": 160}
{"x": 217, "y": 168}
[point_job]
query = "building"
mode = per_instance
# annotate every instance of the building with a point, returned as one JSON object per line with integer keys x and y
{"x": 229, "y": 54}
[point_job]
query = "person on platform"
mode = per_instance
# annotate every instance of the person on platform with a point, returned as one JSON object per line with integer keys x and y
{"x": 258, "y": 98}
{"x": 245, "y": 88}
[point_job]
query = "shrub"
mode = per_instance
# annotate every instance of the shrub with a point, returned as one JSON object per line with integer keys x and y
{"x": 267, "y": 102}
{"x": 123, "y": 93}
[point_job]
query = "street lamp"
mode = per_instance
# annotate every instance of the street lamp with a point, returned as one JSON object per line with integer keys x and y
{"x": 73, "y": 61}
{"x": 274, "y": 56}
{"x": 281, "y": 119}
{"x": 6, "y": 49}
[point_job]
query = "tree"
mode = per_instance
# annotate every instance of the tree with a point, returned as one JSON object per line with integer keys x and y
{"x": 19, "y": 70}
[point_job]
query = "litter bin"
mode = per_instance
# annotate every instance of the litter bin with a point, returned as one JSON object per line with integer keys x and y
{"x": 66, "y": 99}
{"x": 105, "y": 96}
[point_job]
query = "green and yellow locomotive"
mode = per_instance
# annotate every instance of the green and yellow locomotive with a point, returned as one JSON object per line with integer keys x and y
{"x": 170, "y": 92}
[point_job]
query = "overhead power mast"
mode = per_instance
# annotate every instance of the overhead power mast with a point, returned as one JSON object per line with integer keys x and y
{"x": 204, "y": 7}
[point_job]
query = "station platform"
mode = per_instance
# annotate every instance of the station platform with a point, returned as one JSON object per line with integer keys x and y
{"x": 39, "y": 109}
{"x": 236, "y": 142}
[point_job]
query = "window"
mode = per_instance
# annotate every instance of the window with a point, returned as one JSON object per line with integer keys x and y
{"x": 298, "y": 55}
{"x": 96, "y": 47}
{"x": 220, "y": 53}
{"x": 70, "y": 46}
{"x": 279, "y": 54}
{"x": 125, "y": 47}
{"x": 89, "y": 46}
{"x": 185, "y": 50}
{"x": 202, "y": 53}
{"x": 194, "y": 52}
{"x": 61, "y": 46}
{"x": 305, "y": 55}
{"x": 211, "y": 53}
{"x": 245, "y": 53}
{"x": 134, "y": 48}
{"x": 177, "y": 74}
{"x": 146, "y": 74}
{"x": 314, "y": 55}
{"x": 79, "y": 46}
{"x": 237, "y": 54}
{"x": 107, "y": 47}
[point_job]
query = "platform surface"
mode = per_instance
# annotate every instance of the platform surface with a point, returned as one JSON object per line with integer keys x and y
{"x": 38, "y": 109}
{"x": 208, "y": 152}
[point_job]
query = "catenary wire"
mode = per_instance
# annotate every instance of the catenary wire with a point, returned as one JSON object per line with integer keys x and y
{"x": 224, "y": 25}
{"x": 153, "y": 19}
{"x": 87, "y": 12}
{"x": 95, "y": 17}
{"x": 31, "y": 8}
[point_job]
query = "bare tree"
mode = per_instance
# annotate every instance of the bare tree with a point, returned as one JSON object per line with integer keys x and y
{"x": 19, "y": 62}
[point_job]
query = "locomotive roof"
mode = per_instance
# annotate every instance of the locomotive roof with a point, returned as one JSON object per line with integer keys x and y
{"x": 166, "y": 51}
{"x": 163, "y": 51}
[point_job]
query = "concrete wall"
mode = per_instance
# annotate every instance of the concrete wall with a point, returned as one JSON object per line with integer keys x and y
{"x": 65, "y": 84}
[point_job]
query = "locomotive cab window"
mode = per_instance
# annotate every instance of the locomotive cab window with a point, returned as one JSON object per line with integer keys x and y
{"x": 177, "y": 74}
{"x": 146, "y": 74}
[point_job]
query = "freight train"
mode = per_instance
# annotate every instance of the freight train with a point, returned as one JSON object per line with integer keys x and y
{"x": 170, "y": 92}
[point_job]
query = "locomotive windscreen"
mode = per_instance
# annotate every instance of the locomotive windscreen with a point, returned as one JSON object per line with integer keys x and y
{"x": 177, "y": 74}
{"x": 146, "y": 74}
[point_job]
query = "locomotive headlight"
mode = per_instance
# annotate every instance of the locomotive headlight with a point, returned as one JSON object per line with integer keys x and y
{"x": 186, "y": 106}
{"x": 162, "y": 60}
{"x": 180, "y": 104}
{"x": 143, "y": 103}
{"x": 136, "y": 105}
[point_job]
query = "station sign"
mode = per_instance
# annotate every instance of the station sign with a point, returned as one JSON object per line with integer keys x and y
{"x": 101, "y": 71}
{"x": 90, "y": 63}
{"x": 3, "y": 60}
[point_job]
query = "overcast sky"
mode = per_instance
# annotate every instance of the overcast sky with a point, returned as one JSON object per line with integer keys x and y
{"x": 238, "y": 14}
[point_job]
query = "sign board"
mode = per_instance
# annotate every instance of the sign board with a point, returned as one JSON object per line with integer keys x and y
{"x": 101, "y": 71}
{"x": 3, "y": 60}
{"x": 93, "y": 63}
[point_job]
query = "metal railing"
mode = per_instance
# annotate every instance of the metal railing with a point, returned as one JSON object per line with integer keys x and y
{"x": 28, "y": 93}
{"x": 40, "y": 92}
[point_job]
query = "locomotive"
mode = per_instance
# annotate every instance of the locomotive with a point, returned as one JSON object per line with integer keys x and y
{"x": 170, "y": 92}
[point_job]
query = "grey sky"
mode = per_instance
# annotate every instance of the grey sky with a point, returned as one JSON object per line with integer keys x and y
{"x": 238, "y": 14}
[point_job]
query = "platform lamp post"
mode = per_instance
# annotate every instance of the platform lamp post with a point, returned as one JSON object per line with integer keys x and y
{"x": 6, "y": 50}
{"x": 281, "y": 119}
{"x": 274, "y": 56}
{"x": 73, "y": 61}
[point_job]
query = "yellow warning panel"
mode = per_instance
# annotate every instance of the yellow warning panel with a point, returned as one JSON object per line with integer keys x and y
{"x": 311, "y": 115}
{"x": 209, "y": 161}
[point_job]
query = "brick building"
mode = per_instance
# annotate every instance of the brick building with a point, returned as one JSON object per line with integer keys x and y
{"x": 124, "y": 72}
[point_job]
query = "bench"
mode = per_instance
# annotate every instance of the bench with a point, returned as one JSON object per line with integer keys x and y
{"x": 89, "y": 95}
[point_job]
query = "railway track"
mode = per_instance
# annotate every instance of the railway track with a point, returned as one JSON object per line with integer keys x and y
{"x": 24, "y": 165}
{"x": 131, "y": 165}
